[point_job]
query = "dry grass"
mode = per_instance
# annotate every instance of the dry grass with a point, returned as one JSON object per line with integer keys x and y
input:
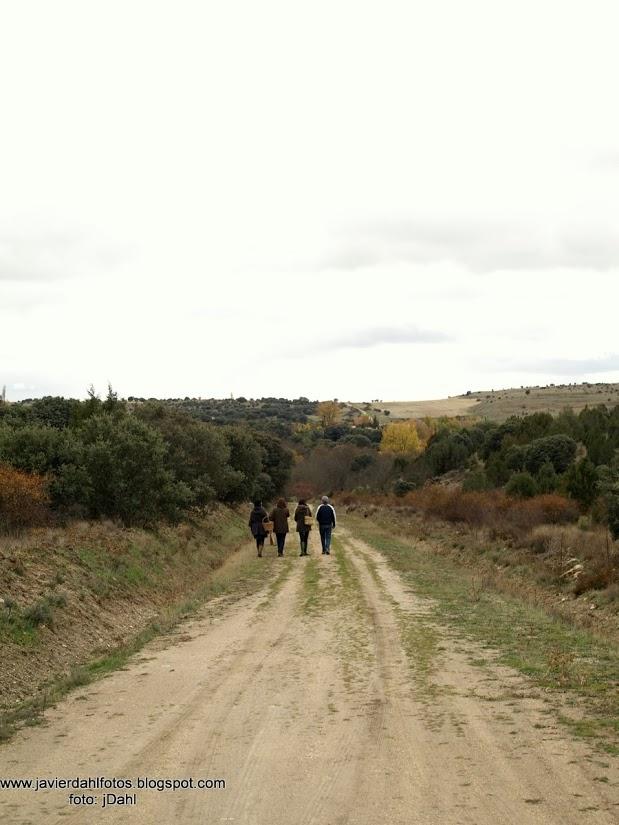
{"x": 501, "y": 404}
{"x": 506, "y": 516}
{"x": 588, "y": 560}
{"x": 497, "y": 405}
{"x": 449, "y": 407}
{"x": 567, "y": 571}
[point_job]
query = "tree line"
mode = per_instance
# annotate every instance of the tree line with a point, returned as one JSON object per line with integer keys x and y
{"x": 105, "y": 458}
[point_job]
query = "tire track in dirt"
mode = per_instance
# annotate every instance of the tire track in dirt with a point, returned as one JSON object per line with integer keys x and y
{"x": 475, "y": 759}
{"x": 327, "y": 699}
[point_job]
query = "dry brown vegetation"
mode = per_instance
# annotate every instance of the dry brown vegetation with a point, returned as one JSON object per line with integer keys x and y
{"x": 569, "y": 566}
{"x": 492, "y": 509}
{"x": 23, "y": 500}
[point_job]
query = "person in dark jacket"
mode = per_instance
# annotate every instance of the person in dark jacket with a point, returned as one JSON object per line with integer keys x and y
{"x": 279, "y": 517}
{"x": 257, "y": 517}
{"x": 325, "y": 516}
{"x": 300, "y": 514}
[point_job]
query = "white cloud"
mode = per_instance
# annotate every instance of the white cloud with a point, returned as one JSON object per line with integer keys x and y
{"x": 480, "y": 245}
{"x": 244, "y": 182}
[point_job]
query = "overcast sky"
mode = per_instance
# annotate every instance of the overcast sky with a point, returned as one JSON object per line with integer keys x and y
{"x": 395, "y": 200}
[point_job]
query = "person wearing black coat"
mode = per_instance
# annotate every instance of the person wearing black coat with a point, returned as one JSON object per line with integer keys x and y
{"x": 300, "y": 514}
{"x": 257, "y": 517}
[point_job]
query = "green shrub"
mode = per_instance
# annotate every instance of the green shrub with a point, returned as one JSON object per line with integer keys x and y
{"x": 582, "y": 482}
{"x": 547, "y": 478}
{"x": 402, "y": 487}
{"x": 476, "y": 481}
{"x": 521, "y": 485}
{"x": 39, "y": 613}
{"x": 558, "y": 450}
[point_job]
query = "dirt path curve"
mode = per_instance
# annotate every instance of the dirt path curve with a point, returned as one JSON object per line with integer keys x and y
{"x": 320, "y": 702}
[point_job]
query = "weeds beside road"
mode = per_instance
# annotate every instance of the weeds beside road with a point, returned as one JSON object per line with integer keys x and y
{"x": 553, "y": 651}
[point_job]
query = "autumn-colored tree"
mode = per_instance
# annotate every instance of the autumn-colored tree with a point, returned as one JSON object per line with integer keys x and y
{"x": 426, "y": 428}
{"x": 328, "y": 412}
{"x": 401, "y": 438}
{"x": 23, "y": 499}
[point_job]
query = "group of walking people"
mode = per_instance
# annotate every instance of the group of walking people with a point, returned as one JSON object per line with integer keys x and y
{"x": 262, "y": 523}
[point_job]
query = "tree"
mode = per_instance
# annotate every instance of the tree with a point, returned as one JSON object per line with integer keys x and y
{"x": 449, "y": 451}
{"x": 609, "y": 486}
{"x": 558, "y": 450}
{"x": 521, "y": 485}
{"x": 277, "y": 460}
{"x": 401, "y": 438}
{"x": 245, "y": 463}
{"x": 125, "y": 461}
{"x": 54, "y": 411}
{"x": 582, "y": 482}
{"x": 547, "y": 478}
{"x": 34, "y": 448}
{"x": 329, "y": 413}
{"x": 197, "y": 452}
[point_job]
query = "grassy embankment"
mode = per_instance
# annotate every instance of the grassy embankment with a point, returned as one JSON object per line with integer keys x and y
{"x": 519, "y": 627}
{"x": 79, "y": 602}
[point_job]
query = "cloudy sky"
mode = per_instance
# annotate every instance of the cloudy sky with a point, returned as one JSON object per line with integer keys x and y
{"x": 396, "y": 200}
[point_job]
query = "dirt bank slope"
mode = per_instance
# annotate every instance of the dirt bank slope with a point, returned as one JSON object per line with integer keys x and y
{"x": 71, "y": 594}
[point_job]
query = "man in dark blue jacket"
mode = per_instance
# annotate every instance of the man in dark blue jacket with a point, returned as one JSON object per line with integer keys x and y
{"x": 325, "y": 516}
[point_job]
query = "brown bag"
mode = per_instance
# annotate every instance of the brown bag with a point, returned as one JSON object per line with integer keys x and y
{"x": 268, "y": 526}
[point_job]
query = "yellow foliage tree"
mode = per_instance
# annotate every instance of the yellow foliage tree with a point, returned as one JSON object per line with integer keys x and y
{"x": 328, "y": 412}
{"x": 426, "y": 428}
{"x": 401, "y": 438}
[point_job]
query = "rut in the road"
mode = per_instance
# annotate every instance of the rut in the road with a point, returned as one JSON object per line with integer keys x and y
{"x": 328, "y": 698}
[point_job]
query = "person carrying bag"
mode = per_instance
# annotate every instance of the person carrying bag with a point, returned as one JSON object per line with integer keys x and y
{"x": 304, "y": 520}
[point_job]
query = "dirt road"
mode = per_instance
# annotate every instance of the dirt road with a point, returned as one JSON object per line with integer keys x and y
{"x": 318, "y": 703}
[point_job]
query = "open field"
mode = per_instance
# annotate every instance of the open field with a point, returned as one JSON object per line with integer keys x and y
{"x": 498, "y": 405}
{"x": 458, "y": 405}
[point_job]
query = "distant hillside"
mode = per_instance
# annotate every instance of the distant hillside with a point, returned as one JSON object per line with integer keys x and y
{"x": 498, "y": 405}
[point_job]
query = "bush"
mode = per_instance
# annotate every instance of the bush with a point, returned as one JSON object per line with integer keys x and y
{"x": 476, "y": 481}
{"x": 521, "y": 485}
{"x": 401, "y": 487}
{"x": 23, "y": 499}
{"x": 492, "y": 509}
{"x": 39, "y": 613}
{"x": 362, "y": 461}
